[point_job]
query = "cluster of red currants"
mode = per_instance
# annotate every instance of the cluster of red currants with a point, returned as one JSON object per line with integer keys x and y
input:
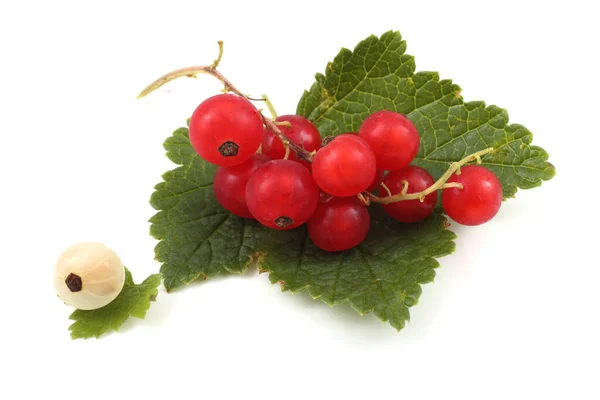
{"x": 227, "y": 130}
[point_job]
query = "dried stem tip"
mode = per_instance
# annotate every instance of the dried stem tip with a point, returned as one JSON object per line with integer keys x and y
{"x": 284, "y": 222}
{"x": 229, "y": 149}
{"x": 74, "y": 283}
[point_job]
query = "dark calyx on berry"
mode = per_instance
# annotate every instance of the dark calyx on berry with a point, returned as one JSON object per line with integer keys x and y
{"x": 284, "y": 222}
{"x": 74, "y": 283}
{"x": 228, "y": 149}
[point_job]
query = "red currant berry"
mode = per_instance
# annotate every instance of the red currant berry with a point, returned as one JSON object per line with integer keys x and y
{"x": 418, "y": 180}
{"x": 230, "y": 185}
{"x": 226, "y": 130}
{"x": 339, "y": 224}
{"x": 393, "y": 138}
{"x": 376, "y": 181}
{"x": 345, "y": 167}
{"x": 479, "y": 199}
{"x": 282, "y": 194}
{"x": 302, "y": 132}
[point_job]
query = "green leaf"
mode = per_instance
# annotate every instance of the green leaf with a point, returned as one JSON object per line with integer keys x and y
{"x": 382, "y": 275}
{"x": 199, "y": 239}
{"x": 134, "y": 300}
{"x": 379, "y": 75}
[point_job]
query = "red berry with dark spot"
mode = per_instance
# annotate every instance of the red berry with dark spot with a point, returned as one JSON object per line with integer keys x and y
{"x": 339, "y": 224}
{"x": 393, "y": 138}
{"x": 302, "y": 132}
{"x": 418, "y": 180}
{"x": 226, "y": 130}
{"x": 230, "y": 185}
{"x": 282, "y": 194}
{"x": 479, "y": 199}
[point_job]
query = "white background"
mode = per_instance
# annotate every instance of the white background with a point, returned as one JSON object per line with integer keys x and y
{"x": 512, "y": 314}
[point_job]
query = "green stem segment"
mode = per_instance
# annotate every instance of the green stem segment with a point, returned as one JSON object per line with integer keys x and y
{"x": 270, "y": 106}
{"x": 439, "y": 184}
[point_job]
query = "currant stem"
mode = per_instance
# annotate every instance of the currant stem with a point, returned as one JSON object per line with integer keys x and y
{"x": 270, "y": 106}
{"x": 452, "y": 185}
{"x": 215, "y": 63}
{"x": 404, "y": 188}
{"x": 192, "y": 72}
{"x": 439, "y": 184}
{"x": 364, "y": 200}
{"x": 387, "y": 189}
{"x": 287, "y": 124}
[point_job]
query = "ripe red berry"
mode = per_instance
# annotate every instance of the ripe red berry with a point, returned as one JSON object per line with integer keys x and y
{"x": 282, "y": 194}
{"x": 302, "y": 132}
{"x": 418, "y": 180}
{"x": 230, "y": 185}
{"x": 376, "y": 181}
{"x": 339, "y": 224}
{"x": 345, "y": 167}
{"x": 478, "y": 201}
{"x": 393, "y": 138}
{"x": 226, "y": 130}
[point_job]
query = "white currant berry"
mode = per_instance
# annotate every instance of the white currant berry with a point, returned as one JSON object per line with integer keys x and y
{"x": 88, "y": 276}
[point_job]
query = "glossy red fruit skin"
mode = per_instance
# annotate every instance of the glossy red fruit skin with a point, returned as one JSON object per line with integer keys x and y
{"x": 376, "y": 181}
{"x": 409, "y": 211}
{"x": 345, "y": 167}
{"x": 230, "y": 185}
{"x": 282, "y": 194}
{"x": 339, "y": 224}
{"x": 226, "y": 120}
{"x": 393, "y": 138}
{"x": 302, "y": 132}
{"x": 478, "y": 201}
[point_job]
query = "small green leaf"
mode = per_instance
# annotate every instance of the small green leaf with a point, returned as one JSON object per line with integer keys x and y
{"x": 379, "y": 75}
{"x": 134, "y": 300}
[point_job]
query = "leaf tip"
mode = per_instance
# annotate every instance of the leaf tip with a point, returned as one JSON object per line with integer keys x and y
{"x": 552, "y": 170}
